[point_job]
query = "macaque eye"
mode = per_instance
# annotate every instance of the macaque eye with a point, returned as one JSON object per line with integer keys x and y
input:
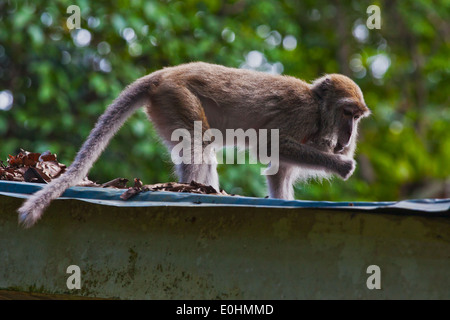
{"x": 348, "y": 112}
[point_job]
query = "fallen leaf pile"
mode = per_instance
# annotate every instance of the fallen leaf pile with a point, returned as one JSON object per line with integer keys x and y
{"x": 193, "y": 187}
{"x": 42, "y": 168}
{"x": 31, "y": 167}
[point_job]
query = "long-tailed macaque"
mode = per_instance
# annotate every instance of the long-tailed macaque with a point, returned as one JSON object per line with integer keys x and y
{"x": 317, "y": 123}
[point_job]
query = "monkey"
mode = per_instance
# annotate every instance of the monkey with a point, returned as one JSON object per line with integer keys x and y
{"x": 317, "y": 124}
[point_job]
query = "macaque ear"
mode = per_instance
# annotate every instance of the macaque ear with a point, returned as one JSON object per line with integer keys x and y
{"x": 322, "y": 86}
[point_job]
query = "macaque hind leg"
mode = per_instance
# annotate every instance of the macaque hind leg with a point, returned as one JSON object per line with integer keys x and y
{"x": 181, "y": 110}
{"x": 202, "y": 173}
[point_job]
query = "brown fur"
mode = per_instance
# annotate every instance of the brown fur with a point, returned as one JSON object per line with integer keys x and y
{"x": 317, "y": 123}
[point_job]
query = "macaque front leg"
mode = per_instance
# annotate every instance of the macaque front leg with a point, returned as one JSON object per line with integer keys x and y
{"x": 301, "y": 154}
{"x": 281, "y": 184}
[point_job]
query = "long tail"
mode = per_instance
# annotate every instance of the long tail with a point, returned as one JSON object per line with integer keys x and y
{"x": 131, "y": 99}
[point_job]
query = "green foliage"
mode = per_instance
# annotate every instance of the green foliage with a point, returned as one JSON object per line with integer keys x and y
{"x": 60, "y": 86}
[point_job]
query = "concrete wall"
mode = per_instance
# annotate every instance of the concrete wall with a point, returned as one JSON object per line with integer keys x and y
{"x": 226, "y": 253}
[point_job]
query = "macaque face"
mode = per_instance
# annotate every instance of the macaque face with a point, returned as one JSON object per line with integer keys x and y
{"x": 345, "y": 105}
{"x": 349, "y": 112}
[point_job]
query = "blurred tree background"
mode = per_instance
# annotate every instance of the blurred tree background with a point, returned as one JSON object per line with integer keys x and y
{"x": 55, "y": 82}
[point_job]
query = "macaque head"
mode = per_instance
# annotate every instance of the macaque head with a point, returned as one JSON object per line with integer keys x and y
{"x": 342, "y": 106}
